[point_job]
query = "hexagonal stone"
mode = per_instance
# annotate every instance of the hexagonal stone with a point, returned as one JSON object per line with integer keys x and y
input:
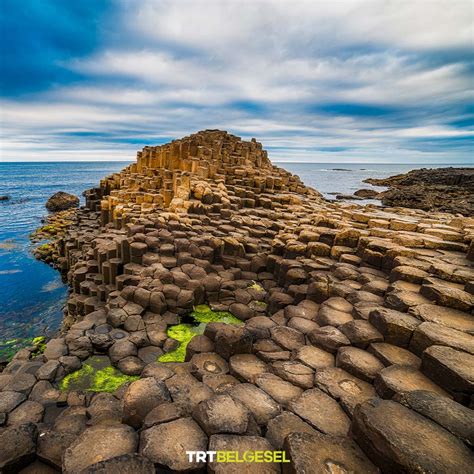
{"x": 287, "y": 338}
{"x": 449, "y": 317}
{"x": 98, "y": 443}
{"x": 294, "y": 372}
{"x": 390, "y": 355}
{"x": 48, "y": 370}
{"x": 322, "y": 412}
{"x": 451, "y": 415}
{"x": 166, "y": 444}
{"x": 22, "y": 383}
{"x": 451, "y": 369}
{"x": 401, "y": 300}
{"x": 187, "y": 390}
{"x": 149, "y": 354}
{"x": 337, "y": 303}
{"x": 302, "y": 325}
{"x": 55, "y": 348}
{"x": 38, "y": 467}
{"x": 52, "y": 445}
{"x": 159, "y": 370}
{"x": 446, "y": 295}
{"x": 27, "y": 412}
{"x": 131, "y": 365}
{"x": 398, "y": 439}
{"x": 410, "y": 274}
{"x": 18, "y": 447}
{"x": 247, "y": 367}
{"x": 259, "y": 403}
{"x": 104, "y": 408}
{"x": 318, "y": 453}
{"x": 10, "y": 400}
{"x": 220, "y": 383}
{"x": 280, "y": 390}
{"x": 121, "y": 349}
{"x": 314, "y": 357}
{"x": 241, "y": 444}
{"x": 163, "y": 413}
{"x": 141, "y": 397}
{"x": 361, "y": 333}
{"x": 282, "y": 425}
{"x": 222, "y": 414}
{"x": 400, "y": 378}
{"x": 208, "y": 363}
{"x": 344, "y": 387}
{"x": 328, "y": 316}
{"x": 429, "y": 334}
{"x": 230, "y": 340}
{"x": 358, "y": 362}
{"x": 125, "y": 464}
{"x": 328, "y": 338}
{"x": 396, "y": 327}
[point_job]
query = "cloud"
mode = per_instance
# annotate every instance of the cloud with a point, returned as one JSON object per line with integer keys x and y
{"x": 323, "y": 81}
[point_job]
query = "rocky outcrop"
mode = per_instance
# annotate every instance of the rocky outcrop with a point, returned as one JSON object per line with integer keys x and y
{"x": 438, "y": 189}
{"x": 348, "y": 322}
{"x": 61, "y": 201}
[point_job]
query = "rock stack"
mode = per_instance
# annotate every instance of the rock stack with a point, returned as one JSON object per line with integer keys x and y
{"x": 355, "y": 352}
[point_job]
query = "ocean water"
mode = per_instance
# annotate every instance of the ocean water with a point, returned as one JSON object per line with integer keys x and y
{"x": 32, "y": 295}
{"x": 346, "y": 178}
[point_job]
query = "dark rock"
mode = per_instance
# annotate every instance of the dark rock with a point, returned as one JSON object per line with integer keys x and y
{"x": 259, "y": 403}
{"x": 18, "y": 446}
{"x": 400, "y": 378}
{"x": 281, "y": 426}
{"x": 222, "y": 414}
{"x": 322, "y": 412}
{"x": 124, "y": 464}
{"x": 141, "y": 397}
{"x": 61, "y": 201}
{"x": 400, "y": 440}
{"x": 99, "y": 443}
{"x": 316, "y": 452}
{"x": 451, "y": 369}
{"x": 166, "y": 444}
{"x": 456, "y": 418}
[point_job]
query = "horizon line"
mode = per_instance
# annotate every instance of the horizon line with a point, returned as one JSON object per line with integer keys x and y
{"x": 273, "y": 161}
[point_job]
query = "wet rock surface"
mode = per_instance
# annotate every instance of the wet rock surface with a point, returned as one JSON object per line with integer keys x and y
{"x": 340, "y": 333}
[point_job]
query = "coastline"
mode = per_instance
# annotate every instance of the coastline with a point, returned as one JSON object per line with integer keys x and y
{"x": 321, "y": 288}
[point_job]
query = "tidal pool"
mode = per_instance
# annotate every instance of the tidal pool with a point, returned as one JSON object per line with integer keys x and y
{"x": 184, "y": 332}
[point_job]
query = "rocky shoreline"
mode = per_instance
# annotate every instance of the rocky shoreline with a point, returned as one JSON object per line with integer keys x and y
{"x": 439, "y": 189}
{"x": 351, "y": 345}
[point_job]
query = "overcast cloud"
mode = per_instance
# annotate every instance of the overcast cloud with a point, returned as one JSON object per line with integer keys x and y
{"x": 325, "y": 81}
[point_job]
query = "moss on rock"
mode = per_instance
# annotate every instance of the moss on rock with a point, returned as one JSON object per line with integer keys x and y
{"x": 96, "y": 375}
{"x": 184, "y": 332}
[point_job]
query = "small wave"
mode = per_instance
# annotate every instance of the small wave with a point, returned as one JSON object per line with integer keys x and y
{"x": 51, "y": 286}
{"x": 10, "y": 272}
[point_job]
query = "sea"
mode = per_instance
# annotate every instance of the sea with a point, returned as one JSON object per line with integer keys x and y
{"x": 32, "y": 294}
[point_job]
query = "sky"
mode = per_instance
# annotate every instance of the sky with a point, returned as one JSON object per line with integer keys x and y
{"x": 370, "y": 81}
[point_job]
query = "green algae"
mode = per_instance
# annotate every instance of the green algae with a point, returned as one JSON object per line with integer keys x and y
{"x": 184, "y": 332}
{"x": 256, "y": 286}
{"x": 96, "y": 375}
{"x": 10, "y": 347}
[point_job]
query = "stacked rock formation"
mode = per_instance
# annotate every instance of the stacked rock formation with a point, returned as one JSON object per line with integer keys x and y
{"x": 356, "y": 351}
